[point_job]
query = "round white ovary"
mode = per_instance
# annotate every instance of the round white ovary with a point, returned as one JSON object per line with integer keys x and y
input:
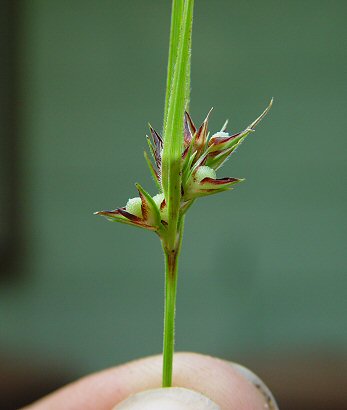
{"x": 193, "y": 187}
{"x": 173, "y": 398}
{"x": 133, "y": 206}
{"x": 158, "y": 199}
{"x": 220, "y": 134}
{"x": 204, "y": 172}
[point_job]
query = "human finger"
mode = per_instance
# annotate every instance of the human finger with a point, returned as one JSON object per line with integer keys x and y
{"x": 223, "y": 382}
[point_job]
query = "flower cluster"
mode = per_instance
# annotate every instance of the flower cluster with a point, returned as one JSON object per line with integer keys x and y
{"x": 201, "y": 158}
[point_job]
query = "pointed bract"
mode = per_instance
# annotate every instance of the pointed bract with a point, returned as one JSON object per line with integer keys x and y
{"x": 202, "y": 134}
{"x": 122, "y": 216}
{"x": 189, "y": 129}
{"x": 158, "y": 146}
{"x": 150, "y": 211}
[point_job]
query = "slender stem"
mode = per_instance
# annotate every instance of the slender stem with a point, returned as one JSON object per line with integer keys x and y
{"x": 177, "y": 99}
{"x": 169, "y": 316}
{"x": 176, "y": 17}
{"x": 171, "y": 273}
{"x": 173, "y": 125}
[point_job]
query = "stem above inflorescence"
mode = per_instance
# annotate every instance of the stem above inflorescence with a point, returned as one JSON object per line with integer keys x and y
{"x": 177, "y": 96}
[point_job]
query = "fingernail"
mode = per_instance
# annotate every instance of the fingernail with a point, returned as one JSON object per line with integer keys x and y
{"x": 172, "y": 398}
{"x": 270, "y": 401}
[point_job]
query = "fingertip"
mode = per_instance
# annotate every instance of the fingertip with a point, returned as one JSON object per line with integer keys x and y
{"x": 258, "y": 384}
{"x": 222, "y": 382}
{"x": 173, "y": 398}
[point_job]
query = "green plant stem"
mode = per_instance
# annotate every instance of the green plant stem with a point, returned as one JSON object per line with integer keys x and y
{"x": 177, "y": 99}
{"x": 173, "y": 124}
{"x": 176, "y": 18}
{"x": 171, "y": 274}
{"x": 169, "y": 317}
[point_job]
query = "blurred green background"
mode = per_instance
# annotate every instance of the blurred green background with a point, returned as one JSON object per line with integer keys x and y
{"x": 263, "y": 267}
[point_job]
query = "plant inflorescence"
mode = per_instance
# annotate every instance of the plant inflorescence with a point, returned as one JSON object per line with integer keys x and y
{"x": 184, "y": 162}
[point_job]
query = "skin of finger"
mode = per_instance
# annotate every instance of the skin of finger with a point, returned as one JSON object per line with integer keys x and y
{"x": 210, "y": 376}
{"x": 171, "y": 398}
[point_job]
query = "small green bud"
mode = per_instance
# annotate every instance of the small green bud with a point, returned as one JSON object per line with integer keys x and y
{"x": 133, "y": 206}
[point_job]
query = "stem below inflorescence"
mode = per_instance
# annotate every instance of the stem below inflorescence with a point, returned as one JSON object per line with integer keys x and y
{"x": 169, "y": 317}
{"x": 171, "y": 273}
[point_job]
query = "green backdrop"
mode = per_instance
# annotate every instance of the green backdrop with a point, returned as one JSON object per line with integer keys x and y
{"x": 263, "y": 267}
